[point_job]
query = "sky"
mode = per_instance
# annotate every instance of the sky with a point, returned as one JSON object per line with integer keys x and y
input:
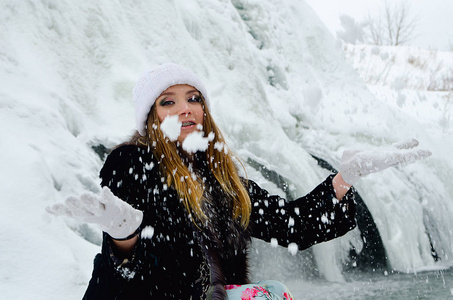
{"x": 435, "y": 18}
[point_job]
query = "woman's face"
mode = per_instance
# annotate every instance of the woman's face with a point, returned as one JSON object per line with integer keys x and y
{"x": 182, "y": 100}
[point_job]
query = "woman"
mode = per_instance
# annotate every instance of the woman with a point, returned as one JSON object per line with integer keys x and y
{"x": 178, "y": 223}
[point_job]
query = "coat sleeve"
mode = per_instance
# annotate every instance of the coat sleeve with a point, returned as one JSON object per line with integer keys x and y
{"x": 314, "y": 218}
{"x": 124, "y": 173}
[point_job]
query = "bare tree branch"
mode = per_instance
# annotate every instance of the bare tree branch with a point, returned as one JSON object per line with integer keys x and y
{"x": 394, "y": 25}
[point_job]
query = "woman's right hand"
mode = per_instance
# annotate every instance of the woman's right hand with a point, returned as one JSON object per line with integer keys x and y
{"x": 116, "y": 217}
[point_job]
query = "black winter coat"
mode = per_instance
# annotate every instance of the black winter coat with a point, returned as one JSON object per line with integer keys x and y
{"x": 174, "y": 259}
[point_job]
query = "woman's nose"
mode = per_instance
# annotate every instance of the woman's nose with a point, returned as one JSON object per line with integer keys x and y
{"x": 184, "y": 109}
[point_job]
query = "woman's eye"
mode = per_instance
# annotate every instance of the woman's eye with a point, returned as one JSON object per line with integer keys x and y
{"x": 165, "y": 102}
{"x": 195, "y": 99}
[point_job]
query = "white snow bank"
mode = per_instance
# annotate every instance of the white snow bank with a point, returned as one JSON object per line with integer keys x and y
{"x": 281, "y": 89}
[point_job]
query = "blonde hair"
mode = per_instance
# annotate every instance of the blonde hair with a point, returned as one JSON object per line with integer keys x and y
{"x": 189, "y": 187}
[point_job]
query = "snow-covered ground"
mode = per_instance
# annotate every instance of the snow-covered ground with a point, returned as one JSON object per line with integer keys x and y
{"x": 282, "y": 89}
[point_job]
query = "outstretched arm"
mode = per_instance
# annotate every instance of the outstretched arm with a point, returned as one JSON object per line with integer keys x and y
{"x": 340, "y": 186}
{"x": 314, "y": 218}
{"x": 125, "y": 248}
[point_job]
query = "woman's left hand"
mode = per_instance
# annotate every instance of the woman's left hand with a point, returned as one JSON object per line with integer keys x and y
{"x": 357, "y": 164}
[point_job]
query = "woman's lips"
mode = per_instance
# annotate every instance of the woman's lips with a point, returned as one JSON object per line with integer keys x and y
{"x": 187, "y": 125}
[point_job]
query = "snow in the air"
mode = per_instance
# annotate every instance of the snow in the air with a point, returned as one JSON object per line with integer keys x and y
{"x": 147, "y": 232}
{"x": 171, "y": 127}
{"x": 196, "y": 141}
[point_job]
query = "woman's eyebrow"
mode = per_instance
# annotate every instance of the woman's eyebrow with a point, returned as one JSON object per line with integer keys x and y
{"x": 167, "y": 93}
{"x": 171, "y": 93}
{"x": 192, "y": 91}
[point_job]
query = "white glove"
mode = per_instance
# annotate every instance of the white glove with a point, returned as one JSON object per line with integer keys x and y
{"x": 115, "y": 216}
{"x": 356, "y": 164}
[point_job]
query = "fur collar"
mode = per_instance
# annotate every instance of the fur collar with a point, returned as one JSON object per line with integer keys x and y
{"x": 224, "y": 241}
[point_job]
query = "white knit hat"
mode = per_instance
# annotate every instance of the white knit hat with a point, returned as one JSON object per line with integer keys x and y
{"x": 155, "y": 81}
